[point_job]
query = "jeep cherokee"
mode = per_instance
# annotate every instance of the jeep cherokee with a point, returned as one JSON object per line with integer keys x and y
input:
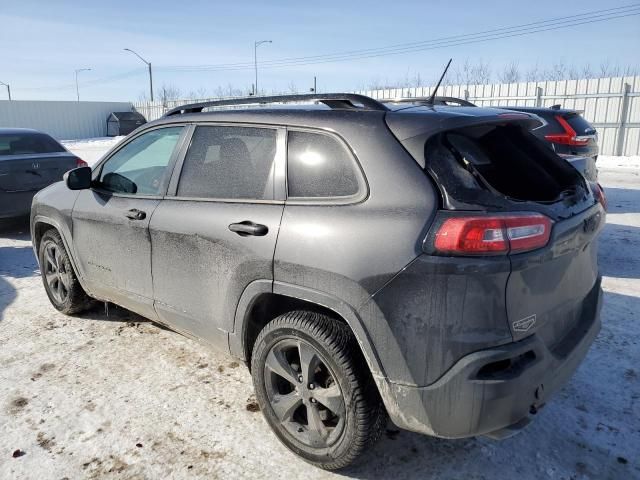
{"x": 432, "y": 263}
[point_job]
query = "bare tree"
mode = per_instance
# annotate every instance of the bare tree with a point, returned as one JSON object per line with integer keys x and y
{"x": 473, "y": 74}
{"x": 199, "y": 93}
{"x": 510, "y": 73}
{"x": 481, "y": 73}
{"x": 557, "y": 71}
{"x": 608, "y": 70}
{"x": 292, "y": 88}
{"x": 630, "y": 71}
{"x": 463, "y": 73}
{"x": 533, "y": 73}
{"x": 416, "y": 80}
{"x": 379, "y": 84}
{"x": 587, "y": 72}
{"x": 169, "y": 93}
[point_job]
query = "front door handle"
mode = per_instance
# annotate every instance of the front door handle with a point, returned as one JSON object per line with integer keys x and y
{"x": 135, "y": 214}
{"x": 249, "y": 228}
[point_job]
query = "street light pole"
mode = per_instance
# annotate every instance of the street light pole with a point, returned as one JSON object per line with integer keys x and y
{"x": 150, "y": 72}
{"x": 8, "y": 89}
{"x": 77, "y": 89}
{"x": 255, "y": 60}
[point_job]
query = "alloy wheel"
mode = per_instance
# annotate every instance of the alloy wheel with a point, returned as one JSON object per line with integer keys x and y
{"x": 55, "y": 273}
{"x": 303, "y": 393}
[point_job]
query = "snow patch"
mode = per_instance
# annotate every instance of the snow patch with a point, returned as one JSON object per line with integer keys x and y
{"x": 610, "y": 161}
{"x": 91, "y": 149}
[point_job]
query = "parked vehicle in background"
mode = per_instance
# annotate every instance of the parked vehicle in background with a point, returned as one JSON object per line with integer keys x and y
{"x": 570, "y": 136}
{"x": 29, "y": 161}
{"x": 432, "y": 262}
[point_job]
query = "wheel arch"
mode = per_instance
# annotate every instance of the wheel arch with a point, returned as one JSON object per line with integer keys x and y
{"x": 39, "y": 225}
{"x": 263, "y": 300}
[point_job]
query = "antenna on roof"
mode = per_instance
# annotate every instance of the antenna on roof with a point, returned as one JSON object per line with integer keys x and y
{"x": 431, "y": 100}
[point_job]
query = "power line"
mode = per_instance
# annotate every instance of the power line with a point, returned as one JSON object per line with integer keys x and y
{"x": 493, "y": 34}
{"x": 530, "y": 28}
{"x": 98, "y": 81}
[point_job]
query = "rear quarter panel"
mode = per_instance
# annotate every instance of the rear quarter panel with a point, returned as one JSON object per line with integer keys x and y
{"x": 350, "y": 251}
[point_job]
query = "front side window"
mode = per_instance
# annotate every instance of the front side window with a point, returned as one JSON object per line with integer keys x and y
{"x": 319, "y": 166}
{"x": 229, "y": 163}
{"x": 140, "y": 167}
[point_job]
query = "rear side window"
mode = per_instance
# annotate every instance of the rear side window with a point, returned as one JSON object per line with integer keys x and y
{"x": 229, "y": 163}
{"x": 319, "y": 166}
{"x": 579, "y": 125}
{"x": 28, "y": 144}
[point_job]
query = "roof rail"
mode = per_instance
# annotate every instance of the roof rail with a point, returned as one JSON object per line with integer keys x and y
{"x": 332, "y": 100}
{"x": 436, "y": 101}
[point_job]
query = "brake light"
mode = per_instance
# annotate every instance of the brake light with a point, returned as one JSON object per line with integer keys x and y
{"x": 600, "y": 195}
{"x": 569, "y": 137}
{"x": 81, "y": 163}
{"x": 493, "y": 235}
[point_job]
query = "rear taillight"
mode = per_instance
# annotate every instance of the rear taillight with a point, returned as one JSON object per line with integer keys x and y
{"x": 492, "y": 235}
{"x": 81, "y": 163}
{"x": 600, "y": 195}
{"x": 569, "y": 137}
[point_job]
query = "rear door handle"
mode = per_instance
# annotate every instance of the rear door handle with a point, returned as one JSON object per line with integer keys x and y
{"x": 135, "y": 214}
{"x": 249, "y": 228}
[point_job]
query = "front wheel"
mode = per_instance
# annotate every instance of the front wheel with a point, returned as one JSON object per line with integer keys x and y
{"x": 315, "y": 390}
{"x": 60, "y": 281}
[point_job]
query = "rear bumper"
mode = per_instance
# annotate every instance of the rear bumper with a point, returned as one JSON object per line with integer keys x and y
{"x": 492, "y": 389}
{"x": 15, "y": 204}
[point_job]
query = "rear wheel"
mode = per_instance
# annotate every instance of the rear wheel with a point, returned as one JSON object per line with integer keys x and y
{"x": 60, "y": 281}
{"x": 315, "y": 390}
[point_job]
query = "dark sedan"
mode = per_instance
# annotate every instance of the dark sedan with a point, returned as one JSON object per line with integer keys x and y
{"x": 29, "y": 161}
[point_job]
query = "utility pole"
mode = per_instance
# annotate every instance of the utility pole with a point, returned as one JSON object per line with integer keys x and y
{"x": 150, "y": 72}
{"x": 255, "y": 60}
{"x": 78, "y": 71}
{"x": 8, "y": 89}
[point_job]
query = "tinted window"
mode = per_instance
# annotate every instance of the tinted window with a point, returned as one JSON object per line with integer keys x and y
{"x": 319, "y": 166}
{"x": 579, "y": 125}
{"x": 229, "y": 162}
{"x": 140, "y": 167}
{"x": 29, "y": 143}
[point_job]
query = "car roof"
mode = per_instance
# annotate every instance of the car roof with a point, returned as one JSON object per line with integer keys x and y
{"x": 17, "y": 131}
{"x": 317, "y": 115}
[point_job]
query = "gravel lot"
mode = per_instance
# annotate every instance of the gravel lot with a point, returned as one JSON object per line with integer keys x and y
{"x": 110, "y": 395}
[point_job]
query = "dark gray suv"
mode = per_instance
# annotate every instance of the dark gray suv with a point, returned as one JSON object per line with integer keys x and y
{"x": 433, "y": 263}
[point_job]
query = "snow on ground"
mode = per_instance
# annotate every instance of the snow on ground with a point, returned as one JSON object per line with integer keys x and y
{"x": 91, "y": 149}
{"x": 113, "y": 396}
{"x": 609, "y": 161}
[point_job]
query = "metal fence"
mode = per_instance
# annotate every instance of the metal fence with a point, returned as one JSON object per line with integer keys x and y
{"x": 64, "y": 120}
{"x": 154, "y": 110}
{"x": 612, "y": 105}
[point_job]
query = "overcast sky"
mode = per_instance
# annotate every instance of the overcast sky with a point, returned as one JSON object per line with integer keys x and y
{"x": 43, "y": 42}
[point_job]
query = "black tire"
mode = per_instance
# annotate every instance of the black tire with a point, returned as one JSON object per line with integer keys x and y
{"x": 59, "y": 279}
{"x": 329, "y": 438}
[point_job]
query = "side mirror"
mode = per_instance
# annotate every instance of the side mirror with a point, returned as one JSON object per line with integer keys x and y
{"x": 78, "y": 178}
